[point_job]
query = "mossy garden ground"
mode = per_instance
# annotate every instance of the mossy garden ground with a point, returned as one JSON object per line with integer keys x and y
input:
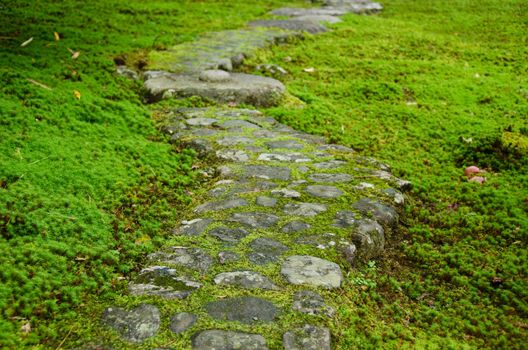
{"x": 88, "y": 185}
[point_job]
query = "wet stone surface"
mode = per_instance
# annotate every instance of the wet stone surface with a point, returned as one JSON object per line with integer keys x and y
{"x": 135, "y": 325}
{"x": 248, "y": 310}
{"x": 265, "y": 251}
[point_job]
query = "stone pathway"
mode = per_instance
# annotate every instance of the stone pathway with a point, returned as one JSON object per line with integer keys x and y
{"x": 286, "y": 216}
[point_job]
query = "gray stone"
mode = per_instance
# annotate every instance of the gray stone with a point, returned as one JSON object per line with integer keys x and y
{"x": 369, "y": 238}
{"x": 383, "y": 213}
{"x": 264, "y": 201}
{"x": 330, "y": 178}
{"x": 321, "y": 241}
{"x": 221, "y": 205}
{"x": 286, "y": 144}
{"x": 241, "y": 88}
{"x": 203, "y": 132}
{"x": 311, "y": 303}
{"x": 319, "y": 19}
{"x": 296, "y": 12}
{"x": 295, "y": 226}
{"x": 193, "y": 227}
{"x": 286, "y": 193}
{"x": 232, "y": 155}
{"x": 181, "y": 322}
{"x": 396, "y": 195}
{"x": 324, "y": 191}
{"x": 226, "y": 257}
{"x": 126, "y": 72}
{"x": 284, "y": 157}
{"x": 236, "y": 124}
{"x": 309, "y": 270}
{"x": 304, "y": 209}
{"x": 364, "y": 186}
{"x": 164, "y": 282}
{"x": 248, "y": 310}
{"x": 331, "y": 164}
{"x": 235, "y": 140}
{"x": 345, "y": 218}
{"x": 215, "y": 76}
{"x": 245, "y": 279}
{"x": 255, "y": 219}
{"x": 201, "y": 146}
{"x": 228, "y": 340}
{"x": 192, "y": 258}
{"x": 271, "y": 69}
{"x": 307, "y": 338}
{"x": 355, "y": 6}
{"x": 265, "y": 251}
{"x": 229, "y": 235}
{"x": 267, "y": 172}
{"x": 290, "y": 24}
{"x": 200, "y": 121}
{"x": 134, "y": 325}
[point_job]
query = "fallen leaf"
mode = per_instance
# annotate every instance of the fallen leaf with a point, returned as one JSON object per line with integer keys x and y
{"x": 77, "y": 94}
{"x": 26, "y": 328}
{"x": 39, "y": 84}
{"x": 56, "y": 36}
{"x": 309, "y": 70}
{"x": 75, "y": 55}
{"x": 26, "y": 43}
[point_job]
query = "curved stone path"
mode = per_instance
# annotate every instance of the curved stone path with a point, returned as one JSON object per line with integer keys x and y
{"x": 285, "y": 218}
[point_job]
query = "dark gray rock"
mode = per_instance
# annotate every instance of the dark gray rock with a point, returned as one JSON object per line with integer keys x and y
{"x": 162, "y": 281}
{"x": 232, "y": 155}
{"x": 284, "y": 157}
{"x": 192, "y": 258}
{"x": 240, "y": 88}
{"x": 304, "y": 209}
{"x": 226, "y": 257}
{"x": 307, "y": 338}
{"x": 235, "y": 140}
{"x": 290, "y": 24}
{"x": 324, "y": 191}
{"x": 221, "y": 205}
{"x": 193, "y": 227}
{"x": 295, "y": 226}
{"x": 200, "y": 121}
{"x": 286, "y": 144}
{"x": 330, "y": 178}
{"x": 228, "y": 340}
{"x": 330, "y": 164}
{"x": 245, "y": 279}
{"x": 369, "y": 238}
{"x": 265, "y": 251}
{"x": 267, "y": 172}
{"x": 286, "y": 193}
{"x": 317, "y": 272}
{"x": 311, "y": 303}
{"x": 255, "y": 219}
{"x": 181, "y": 322}
{"x": 229, "y": 235}
{"x": 134, "y": 325}
{"x": 248, "y": 310}
{"x": 383, "y": 213}
{"x": 237, "y": 125}
{"x": 345, "y": 219}
{"x": 264, "y": 201}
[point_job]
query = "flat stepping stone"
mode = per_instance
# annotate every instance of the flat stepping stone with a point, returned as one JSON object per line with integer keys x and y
{"x": 135, "y": 325}
{"x": 200, "y": 121}
{"x": 284, "y": 157}
{"x": 304, "y": 209}
{"x": 319, "y": 19}
{"x": 233, "y": 155}
{"x": 324, "y": 191}
{"x": 221, "y": 205}
{"x": 265, "y": 251}
{"x": 255, "y": 219}
{"x": 228, "y": 340}
{"x": 331, "y": 164}
{"x": 192, "y": 258}
{"x": 295, "y": 226}
{"x": 228, "y": 235}
{"x": 307, "y": 338}
{"x": 267, "y": 172}
{"x": 235, "y": 140}
{"x": 237, "y": 125}
{"x": 181, "y": 322}
{"x": 296, "y": 12}
{"x": 239, "y": 88}
{"x": 309, "y": 270}
{"x": 355, "y": 6}
{"x": 330, "y": 178}
{"x": 264, "y": 201}
{"x": 290, "y": 24}
{"x": 286, "y": 144}
{"x": 286, "y": 193}
{"x": 311, "y": 303}
{"x": 193, "y": 227}
{"x": 245, "y": 279}
{"x": 226, "y": 257}
{"x": 383, "y": 213}
{"x": 164, "y": 282}
{"x": 248, "y": 310}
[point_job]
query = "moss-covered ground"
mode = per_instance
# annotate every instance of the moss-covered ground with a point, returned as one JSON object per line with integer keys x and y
{"x": 89, "y": 185}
